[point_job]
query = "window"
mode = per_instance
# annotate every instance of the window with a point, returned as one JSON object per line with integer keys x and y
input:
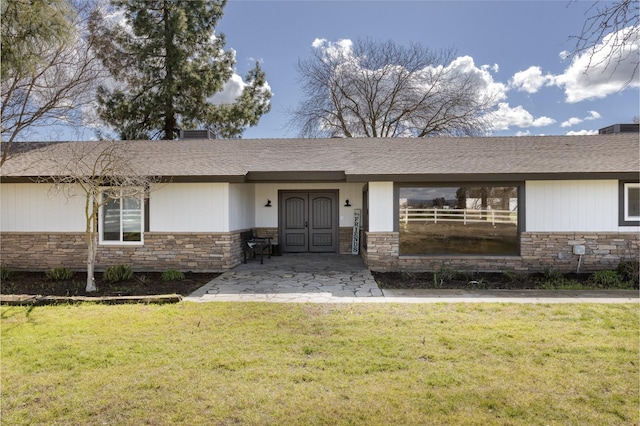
{"x": 629, "y": 203}
{"x": 474, "y": 220}
{"x": 121, "y": 216}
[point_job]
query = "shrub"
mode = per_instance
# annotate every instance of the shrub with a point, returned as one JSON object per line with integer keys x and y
{"x": 114, "y": 274}
{"x": 444, "y": 275}
{"x": 59, "y": 274}
{"x": 5, "y": 273}
{"x": 605, "y": 279}
{"x": 172, "y": 275}
{"x": 552, "y": 279}
{"x": 550, "y": 274}
{"x": 629, "y": 270}
{"x": 516, "y": 277}
{"x": 562, "y": 283}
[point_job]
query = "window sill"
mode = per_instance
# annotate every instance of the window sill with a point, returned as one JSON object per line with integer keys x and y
{"x": 121, "y": 243}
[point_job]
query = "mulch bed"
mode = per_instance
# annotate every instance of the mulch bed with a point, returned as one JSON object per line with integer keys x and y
{"x": 479, "y": 280}
{"x": 142, "y": 284}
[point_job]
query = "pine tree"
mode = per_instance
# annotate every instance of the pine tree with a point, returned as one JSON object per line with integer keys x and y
{"x": 167, "y": 63}
{"x": 27, "y": 26}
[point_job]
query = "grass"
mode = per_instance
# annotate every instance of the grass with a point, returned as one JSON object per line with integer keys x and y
{"x": 301, "y": 364}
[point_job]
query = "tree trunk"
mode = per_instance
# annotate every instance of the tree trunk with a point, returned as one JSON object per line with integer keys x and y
{"x": 91, "y": 261}
{"x": 484, "y": 194}
{"x": 170, "y": 123}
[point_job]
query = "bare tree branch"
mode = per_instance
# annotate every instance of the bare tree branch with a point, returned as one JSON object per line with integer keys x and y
{"x": 384, "y": 90}
{"x": 57, "y": 90}
{"x": 101, "y": 172}
{"x": 607, "y": 33}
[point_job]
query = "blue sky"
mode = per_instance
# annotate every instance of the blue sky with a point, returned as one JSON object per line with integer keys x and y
{"x": 516, "y": 44}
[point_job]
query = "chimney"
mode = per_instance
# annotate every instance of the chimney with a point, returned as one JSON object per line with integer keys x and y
{"x": 195, "y": 134}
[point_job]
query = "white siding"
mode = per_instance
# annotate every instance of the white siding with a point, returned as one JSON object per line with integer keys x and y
{"x": 241, "y": 206}
{"x": 572, "y": 206}
{"x": 189, "y": 207}
{"x": 33, "y": 207}
{"x": 381, "y": 202}
{"x": 267, "y": 217}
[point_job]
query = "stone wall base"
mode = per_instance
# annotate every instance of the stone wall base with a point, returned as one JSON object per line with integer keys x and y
{"x": 603, "y": 250}
{"x": 538, "y": 252}
{"x": 380, "y": 250}
{"x": 161, "y": 251}
{"x": 345, "y": 235}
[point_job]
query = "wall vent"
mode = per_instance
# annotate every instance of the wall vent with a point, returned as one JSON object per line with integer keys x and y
{"x": 195, "y": 134}
{"x": 620, "y": 128}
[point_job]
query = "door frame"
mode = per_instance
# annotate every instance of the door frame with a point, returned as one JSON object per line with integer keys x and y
{"x": 335, "y": 215}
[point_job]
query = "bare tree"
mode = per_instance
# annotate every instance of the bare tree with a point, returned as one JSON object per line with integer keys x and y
{"x": 101, "y": 172}
{"x": 57, "y": 89}
{"x": 608, "y": 34}
{"x": 381, "y": 89}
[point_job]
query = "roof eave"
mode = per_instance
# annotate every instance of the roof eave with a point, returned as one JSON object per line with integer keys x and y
{"x": 488, "y": 177}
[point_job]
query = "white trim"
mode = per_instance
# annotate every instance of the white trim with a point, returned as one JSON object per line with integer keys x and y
{"x": 101, "y": 240}
{"x": 381, "y": 207}
{"x": 628, "y": 186}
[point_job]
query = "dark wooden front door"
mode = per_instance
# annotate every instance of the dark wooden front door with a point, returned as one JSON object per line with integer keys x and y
{"x": 309, "y": 222}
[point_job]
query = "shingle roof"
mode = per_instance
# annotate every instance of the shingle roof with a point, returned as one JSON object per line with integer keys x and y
{"x": 359, "y": 158}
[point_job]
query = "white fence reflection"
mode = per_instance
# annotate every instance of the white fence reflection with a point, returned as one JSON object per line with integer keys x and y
{"x": 464, "y": 216}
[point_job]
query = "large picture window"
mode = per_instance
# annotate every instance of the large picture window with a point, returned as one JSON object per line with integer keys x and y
{"x": 629, "y": 203}
{"x": 121, "y": 216}
{"x": 459, "y": 220}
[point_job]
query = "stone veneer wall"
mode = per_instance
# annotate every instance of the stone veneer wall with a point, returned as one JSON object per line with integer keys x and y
{"x": 345, "y": 240}
{"x": 538, "y": 252}
{"x": 267, "y": 232}
{"x": 603, "y": 250}
{"x": 345, "y": 235}
{"x": 161, "y": 251}
{"x": 381, "y": 252}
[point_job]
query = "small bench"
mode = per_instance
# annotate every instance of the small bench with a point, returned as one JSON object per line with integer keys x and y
{"x": 253, "y": 244}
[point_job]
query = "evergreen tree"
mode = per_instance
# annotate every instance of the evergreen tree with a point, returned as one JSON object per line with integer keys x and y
{"x": 27, "y": 26}
{"x": 167, "y": 63}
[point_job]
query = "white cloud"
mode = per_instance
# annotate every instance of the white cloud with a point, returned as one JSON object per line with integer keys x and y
{"x": 466, "y": 66}
{"x": 530, "y": 80}
{"x": 582, "y": 132}
{"x": 506, "y": 117}
{"x": 494, "y": 68}
{"x": 571, "y": 122}
{"x": 593, "y": 115}
{"x": 333, "y": 50}
{"x": 231, "y": 90}
{"x": 603, "y": 70}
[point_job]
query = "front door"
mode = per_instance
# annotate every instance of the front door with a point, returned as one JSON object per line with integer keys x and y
{"x": 309, "y": 222}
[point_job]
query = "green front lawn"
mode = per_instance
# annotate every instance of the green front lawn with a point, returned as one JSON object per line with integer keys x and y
{"x": 302, "y": 364}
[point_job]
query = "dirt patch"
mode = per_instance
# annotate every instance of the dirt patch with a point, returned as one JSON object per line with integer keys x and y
{"x": 142, "y": 284}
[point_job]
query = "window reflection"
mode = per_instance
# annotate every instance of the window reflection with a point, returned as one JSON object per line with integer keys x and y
{"x": 459, "y": 220}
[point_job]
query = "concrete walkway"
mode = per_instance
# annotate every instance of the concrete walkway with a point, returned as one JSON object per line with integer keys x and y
{"x": 332, "y": 278}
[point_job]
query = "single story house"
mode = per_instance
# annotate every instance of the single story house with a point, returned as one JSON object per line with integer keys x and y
{"x": 483, "y": 204}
